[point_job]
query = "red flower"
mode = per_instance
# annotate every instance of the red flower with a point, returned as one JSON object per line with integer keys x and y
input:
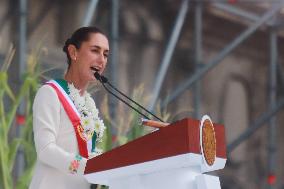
{"x": 20, "y": 119}
{"x": 271, "y": 179}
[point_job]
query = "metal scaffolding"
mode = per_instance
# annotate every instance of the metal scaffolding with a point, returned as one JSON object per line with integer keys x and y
{"x": 194, "y": 80}
{"x": 90, "y": 12}
{"x": 228, "y": 49}
{"x": 22, "y": 57}
{"x": 169, "y": 51}
{"x": 114, "y": 51}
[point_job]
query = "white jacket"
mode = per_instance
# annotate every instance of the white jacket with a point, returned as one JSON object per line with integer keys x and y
{"x": 56, "y": 145}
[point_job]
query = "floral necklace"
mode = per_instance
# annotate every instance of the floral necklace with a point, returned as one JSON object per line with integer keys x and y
{"x": 86, "y": 107}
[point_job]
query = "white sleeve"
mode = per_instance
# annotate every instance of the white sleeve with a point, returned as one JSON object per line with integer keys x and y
{"x": 46, "y": 119}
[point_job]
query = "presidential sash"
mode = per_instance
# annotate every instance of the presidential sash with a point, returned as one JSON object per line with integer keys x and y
{"x": 72, "y": 112}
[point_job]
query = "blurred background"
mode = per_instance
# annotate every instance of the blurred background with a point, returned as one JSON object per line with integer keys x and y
{"x": 179, "y": 58}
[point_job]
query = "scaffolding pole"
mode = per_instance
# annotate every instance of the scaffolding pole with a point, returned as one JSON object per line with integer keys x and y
{"x": 113, "y": 67}
{"x": 23, "y": 36}
{"x": 236, "y": 11}
{"x": 272, "y": 100}
{"x": 169, "y": 52}
{"x": 228, "y": 49}
{"x": 198, "y": 56}
{"x": 255, "y": 125}
{"x": 280, "y": 73}
{"x": 90, "y": 12}
{"x": 20, "y": 160}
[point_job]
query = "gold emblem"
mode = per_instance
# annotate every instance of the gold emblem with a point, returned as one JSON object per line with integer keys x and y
{"x": 208, "y": 142}
{"x": 80, "y": 130}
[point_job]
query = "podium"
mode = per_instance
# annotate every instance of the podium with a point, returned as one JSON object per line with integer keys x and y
{"x": 175, "y": 156}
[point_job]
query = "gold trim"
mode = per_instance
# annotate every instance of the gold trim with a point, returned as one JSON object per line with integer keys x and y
{"x": 80, "y": 130}
{"x": 208, "y": 142}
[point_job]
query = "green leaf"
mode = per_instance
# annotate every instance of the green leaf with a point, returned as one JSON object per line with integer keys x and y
{"x": 26, "y": 177}
{"x": 6, "y": 177}
{"x": 107, "y": 139}
{"x": 13, "y": 148}
{"x": 29, "y": 150}
{"x": 9, "y": 92}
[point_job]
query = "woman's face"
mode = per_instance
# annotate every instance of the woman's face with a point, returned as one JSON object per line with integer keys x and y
{"x": 91, "y": 55}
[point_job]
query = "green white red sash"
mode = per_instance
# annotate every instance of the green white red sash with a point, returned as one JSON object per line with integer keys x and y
{"x": 73, "y": 115}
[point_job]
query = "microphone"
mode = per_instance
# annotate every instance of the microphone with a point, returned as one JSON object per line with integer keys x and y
{"x": 104, "y": 80}
{"x": 101, "y": 78}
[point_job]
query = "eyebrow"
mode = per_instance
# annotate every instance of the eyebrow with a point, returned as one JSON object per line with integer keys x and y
{"x": 99, "y": 47}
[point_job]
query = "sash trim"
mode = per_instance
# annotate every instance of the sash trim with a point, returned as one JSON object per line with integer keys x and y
{"x": 73, "y": 115}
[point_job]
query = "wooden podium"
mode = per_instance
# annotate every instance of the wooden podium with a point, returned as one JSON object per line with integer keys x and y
{"x": 173, "y": 157}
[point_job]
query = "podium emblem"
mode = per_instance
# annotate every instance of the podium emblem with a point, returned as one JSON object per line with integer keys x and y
{"x": 208, "y": 140}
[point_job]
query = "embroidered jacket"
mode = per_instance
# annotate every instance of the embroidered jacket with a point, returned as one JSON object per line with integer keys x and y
{"x": 59, "y": 164}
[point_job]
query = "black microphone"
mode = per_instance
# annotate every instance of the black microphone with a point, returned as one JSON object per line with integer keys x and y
{"x": 104, "y": 80}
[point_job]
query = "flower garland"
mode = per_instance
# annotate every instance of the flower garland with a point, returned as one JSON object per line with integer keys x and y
{"x": 86, "y": 107}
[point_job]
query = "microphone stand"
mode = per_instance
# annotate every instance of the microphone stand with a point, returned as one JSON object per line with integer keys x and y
{"x": 104, "y": 80}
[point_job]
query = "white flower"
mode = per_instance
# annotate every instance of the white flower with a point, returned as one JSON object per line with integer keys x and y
{"x": 88, "y": 113}
{"x": 90, "y": 104}
{"x": 99, "y": 128}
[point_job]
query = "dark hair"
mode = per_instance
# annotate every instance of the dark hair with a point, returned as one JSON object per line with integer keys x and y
{"x": 79, "y": 36}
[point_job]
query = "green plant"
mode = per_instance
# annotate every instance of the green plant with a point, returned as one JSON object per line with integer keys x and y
{"x": 32, "y": 76}
{"x": 9, "y": 145}
{"x": 7, "y": 149}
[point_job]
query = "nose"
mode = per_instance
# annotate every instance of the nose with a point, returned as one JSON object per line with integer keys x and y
{"x": 101, "y": 61}
{"x": 101, "y": 58}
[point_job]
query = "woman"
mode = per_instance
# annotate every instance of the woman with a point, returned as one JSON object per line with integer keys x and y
{"x": 65, "y": 119}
